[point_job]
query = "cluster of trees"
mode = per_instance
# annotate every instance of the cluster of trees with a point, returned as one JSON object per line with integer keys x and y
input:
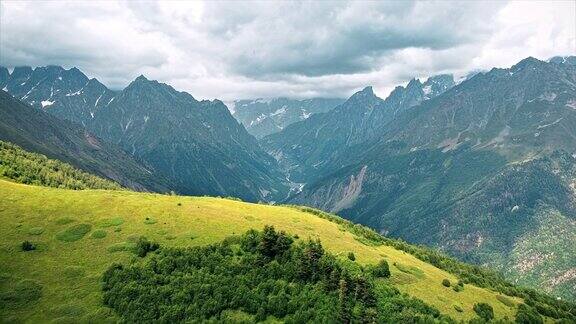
{"x": 535, "y": 302}
{"x": 36, "y": 169}
{"x": 261, "y": 275}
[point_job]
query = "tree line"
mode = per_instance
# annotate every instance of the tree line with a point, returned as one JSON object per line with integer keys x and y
{"x": 36, "y": 169}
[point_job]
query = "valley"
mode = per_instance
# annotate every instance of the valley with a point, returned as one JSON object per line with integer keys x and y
{"x": 456, "y": 167}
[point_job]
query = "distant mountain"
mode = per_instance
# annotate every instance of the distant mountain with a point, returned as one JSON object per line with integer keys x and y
{"x": 198, "y": 145}
{"x": 309, "y": 148}
{"x": 67, "y": 94}
{"x": 263, "y": 117}
{"x": 563, "y": 60}
{"x": 39, "y": 132}
{"x": 484, "y": 171}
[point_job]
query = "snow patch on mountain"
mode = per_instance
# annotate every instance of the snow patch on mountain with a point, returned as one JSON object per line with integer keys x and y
{"x": 46, "y": 103}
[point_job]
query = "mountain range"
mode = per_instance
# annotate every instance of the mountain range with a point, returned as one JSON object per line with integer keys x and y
{"x": 197, "y": 145}
{"x": 263, "y": 117}
{"x": 483, "y": 169}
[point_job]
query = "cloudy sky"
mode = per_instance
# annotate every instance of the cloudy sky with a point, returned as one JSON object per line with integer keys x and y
{"x": 238, "y": 50}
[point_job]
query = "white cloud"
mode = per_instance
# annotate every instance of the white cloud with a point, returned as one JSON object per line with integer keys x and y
{"x": 232, "y": 50}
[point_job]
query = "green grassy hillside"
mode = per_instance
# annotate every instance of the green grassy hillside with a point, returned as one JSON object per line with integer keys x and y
{"x": 79, "y": 234}
{"x": 32, "y": 168}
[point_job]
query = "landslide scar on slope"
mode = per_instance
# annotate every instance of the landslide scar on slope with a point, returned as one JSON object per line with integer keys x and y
{"x": 351, "y": 192}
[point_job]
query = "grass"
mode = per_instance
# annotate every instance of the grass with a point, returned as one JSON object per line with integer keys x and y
{"x": 68, "y": 271}
{"x": 74, "y": 232}
{"x": 99, "y": 234}
{"x": 36, "y": 230}
{"x": 110, "y": 222}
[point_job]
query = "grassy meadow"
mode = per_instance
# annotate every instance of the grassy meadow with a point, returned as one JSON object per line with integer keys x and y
{"x": 79, "y": 234}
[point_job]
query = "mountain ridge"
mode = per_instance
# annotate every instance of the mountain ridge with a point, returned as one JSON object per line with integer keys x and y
{"x": 413, "y": 180}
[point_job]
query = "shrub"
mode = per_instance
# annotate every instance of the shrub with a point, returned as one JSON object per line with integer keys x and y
{"x": 143, "y": 246}
{"x": 28, "y": 246}
{"x": 351, "y": 256}
{"x": 382, "y": 270}
{"x": 457, "y": 288}
{"x": 527, "y": 315}
{"x": 446, "y": 283}
{"x": 458, "y": 308}
{"x": 484, "y": 311}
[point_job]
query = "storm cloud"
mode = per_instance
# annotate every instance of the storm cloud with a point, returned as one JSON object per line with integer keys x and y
{"x": 234, "y": 50}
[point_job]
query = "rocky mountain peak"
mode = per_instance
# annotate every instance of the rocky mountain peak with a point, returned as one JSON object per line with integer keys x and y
{"x": 529, "y": 61}
{"x": 141, "y": 78}
{"x": 571, "y": 60}
{"x": 365, "y": 94}
{"x": 21, "y": 71}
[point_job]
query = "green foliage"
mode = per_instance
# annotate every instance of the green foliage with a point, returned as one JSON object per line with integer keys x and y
{"x": 382, "y": 270}
{"x": 143, "y": 246}
{"x": 458, "y": 308}
{"x": 527, "y": 315}
{"x": 457, "y": 288}
{"x": 74, "y": 232}
{"x": 36, "y": 169}
{"x": 484, "y": 311}
{"x": 255, "y": 277}
{"x": 445, "y": 282}
{"x": 28, "y": 246}
{"x": 351, "y": 256}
